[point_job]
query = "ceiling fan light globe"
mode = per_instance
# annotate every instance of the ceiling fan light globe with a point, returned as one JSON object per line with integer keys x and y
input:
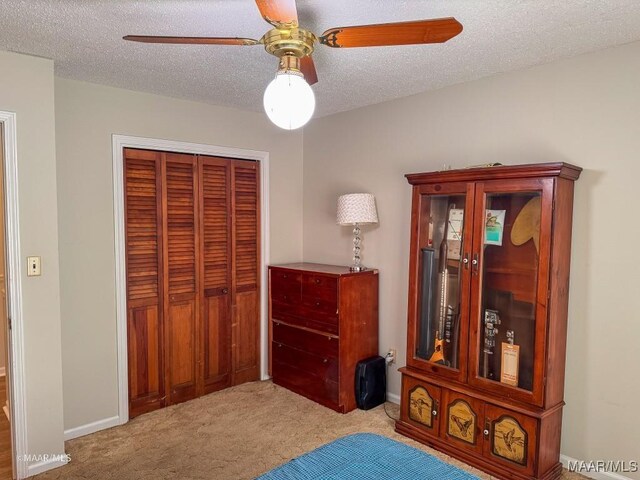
{"x": 289, "y": 101}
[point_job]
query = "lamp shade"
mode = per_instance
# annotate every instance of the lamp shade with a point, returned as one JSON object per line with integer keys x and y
{"x": 357, "y": 208}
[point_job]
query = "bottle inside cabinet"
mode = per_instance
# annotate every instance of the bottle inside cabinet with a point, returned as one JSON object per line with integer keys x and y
{"x": 509, "y": 287}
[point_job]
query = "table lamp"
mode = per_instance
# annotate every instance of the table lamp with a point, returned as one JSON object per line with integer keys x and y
{"x": 355, "y": 209}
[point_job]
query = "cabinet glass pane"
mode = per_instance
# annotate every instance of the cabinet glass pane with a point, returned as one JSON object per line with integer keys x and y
{"x": 509, "y": 287}
{"x": 440, "y": 277}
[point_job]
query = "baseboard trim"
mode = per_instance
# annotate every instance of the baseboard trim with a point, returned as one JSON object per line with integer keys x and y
{"x": 565, "y": 460}
{"x": 393, "y": 398}
{"x": 92, "y": 427}
{"x": 44, "y": 466}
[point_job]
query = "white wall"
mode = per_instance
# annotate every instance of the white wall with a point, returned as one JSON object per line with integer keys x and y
{"x": 584, "y": 111}
{"x": 26, "y": 88}
{"x": 3, "y": 310}
{"x": 86, "y": 117}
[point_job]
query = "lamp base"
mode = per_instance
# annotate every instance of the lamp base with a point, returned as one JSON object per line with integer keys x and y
{"x": 357, "y": 268}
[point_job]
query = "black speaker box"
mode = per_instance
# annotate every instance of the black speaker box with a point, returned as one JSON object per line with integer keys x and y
{"x": 371, "y": 383}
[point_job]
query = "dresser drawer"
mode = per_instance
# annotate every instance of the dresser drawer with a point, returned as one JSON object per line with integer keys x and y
{"x": 304, "y": 319}
{"x": 320, "y": 307}
{"x": 285, "y": 292}
{"x": 285, "y": 277}
{"x": 321, "y": 390}
{"x": 315, "y": 343}
{"x": 284, "y": 310}
{"x": 321, "y": 287}
{"x": 319, "y": 366}
{"x": 285, "y": 287}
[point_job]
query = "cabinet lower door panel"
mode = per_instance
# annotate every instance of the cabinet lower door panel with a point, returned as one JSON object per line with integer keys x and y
{"x": 420, "y": 405}
{"x": 512, "y": 438}
{"x": 462, "y": 420}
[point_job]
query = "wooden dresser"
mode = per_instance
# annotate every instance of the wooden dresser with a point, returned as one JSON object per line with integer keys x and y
{"x": 323, "y": 320}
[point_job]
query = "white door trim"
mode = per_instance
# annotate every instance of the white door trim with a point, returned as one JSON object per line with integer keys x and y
{"x": 119, "y": 143}
{"x": 18, "y": 400}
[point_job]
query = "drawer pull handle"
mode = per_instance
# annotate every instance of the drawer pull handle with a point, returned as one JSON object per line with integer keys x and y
{"x": 486, "y": 432}
{"x": 284, "y": 275}
{"x": 317, "y": 304}
{"x": 328, "y": 338}
{"x": 317, "y": 281}
{"x": 434, "y": 413}
{"x": 225, "y": 291}
{"x": 324, "y": 360}
{"x": 279, "y": 345}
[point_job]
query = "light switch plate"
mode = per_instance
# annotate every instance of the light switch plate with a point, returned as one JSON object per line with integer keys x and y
{"x": 33, "y": 266}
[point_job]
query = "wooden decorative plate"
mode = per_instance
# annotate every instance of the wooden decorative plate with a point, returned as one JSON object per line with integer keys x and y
{"x": 461, "y": 422}
{"x": 421, "y": 406}
{"x": 510, "y": 440}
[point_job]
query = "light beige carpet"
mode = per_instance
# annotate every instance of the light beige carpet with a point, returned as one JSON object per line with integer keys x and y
{"x": 238, "y": 433}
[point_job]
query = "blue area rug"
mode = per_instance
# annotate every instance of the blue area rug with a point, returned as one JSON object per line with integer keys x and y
{"x": 365, "y": 456}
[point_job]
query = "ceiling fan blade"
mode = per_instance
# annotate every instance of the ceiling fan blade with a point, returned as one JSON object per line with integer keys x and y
{"x": 403, "y": 33}
{"x": 308, "y": 69}
{"x": 279, "y": 12}
{"x": 192, "y": 40}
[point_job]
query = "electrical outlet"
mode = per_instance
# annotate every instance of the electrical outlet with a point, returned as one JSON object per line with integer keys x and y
{"x": 33, "y": 267}
{"x": 391, "y": 355}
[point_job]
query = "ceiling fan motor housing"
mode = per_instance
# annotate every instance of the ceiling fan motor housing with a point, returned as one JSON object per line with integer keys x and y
{"x": 294, "y": 42}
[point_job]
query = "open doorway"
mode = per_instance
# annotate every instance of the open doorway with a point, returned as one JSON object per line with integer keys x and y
{"x": 6, "y": 450}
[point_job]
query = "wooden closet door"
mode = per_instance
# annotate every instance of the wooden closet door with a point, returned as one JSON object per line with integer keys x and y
{"x": 245, "y": 180}
{"x": 181, "y": 283}
{"x": 143, "y": 219}
{"x": 215, "y": 343}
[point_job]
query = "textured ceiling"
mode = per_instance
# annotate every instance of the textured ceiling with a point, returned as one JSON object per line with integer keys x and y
{"x": 84, "y": 39}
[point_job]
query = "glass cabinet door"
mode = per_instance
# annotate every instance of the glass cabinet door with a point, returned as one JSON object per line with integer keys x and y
{"x": 441, "y": 269}
{"x": 510, "y": 278}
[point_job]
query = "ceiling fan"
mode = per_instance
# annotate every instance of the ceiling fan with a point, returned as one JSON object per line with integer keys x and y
{"x": 289, "y": 100}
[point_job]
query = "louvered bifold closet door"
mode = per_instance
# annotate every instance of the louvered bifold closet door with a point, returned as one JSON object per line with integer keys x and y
{"x": 181, "y": 283}
{"x": 193, "y": 276}
{"x": 142, "y": 184}
{"x": 215, "y": 194}
{"x": 246, "y": 262}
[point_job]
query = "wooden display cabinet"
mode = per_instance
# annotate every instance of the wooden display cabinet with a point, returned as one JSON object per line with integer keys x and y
{"x": 487, "y": 314}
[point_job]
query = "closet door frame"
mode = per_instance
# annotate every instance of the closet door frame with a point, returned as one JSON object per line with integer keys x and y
{"x": 119, "y": 143}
